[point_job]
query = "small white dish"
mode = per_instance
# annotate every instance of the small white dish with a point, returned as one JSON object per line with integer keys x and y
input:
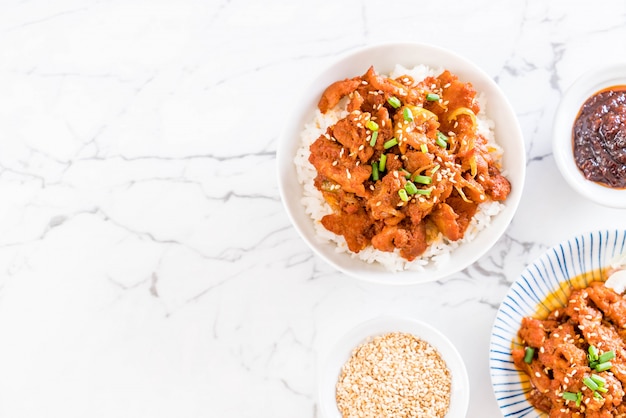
{"x": 562, "y": 143}
{"x": 384, "y": 57}
{"x": 341, "y": 352}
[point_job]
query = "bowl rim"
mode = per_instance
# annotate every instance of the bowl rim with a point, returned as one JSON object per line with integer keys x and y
{"x": 335, "y": 358}
{"x": 581, "y": 89}
{"x": 585, "y": 252}
{"x": 408, "y": 54}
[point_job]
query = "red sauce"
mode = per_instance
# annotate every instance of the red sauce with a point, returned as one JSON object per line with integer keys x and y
{"x": 599, "y": 136}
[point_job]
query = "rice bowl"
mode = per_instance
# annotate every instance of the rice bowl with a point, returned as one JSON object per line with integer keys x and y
{"x": 303, "y": 202}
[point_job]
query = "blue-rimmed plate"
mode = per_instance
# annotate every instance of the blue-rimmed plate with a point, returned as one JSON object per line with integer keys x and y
{"x": 544, "y": 285}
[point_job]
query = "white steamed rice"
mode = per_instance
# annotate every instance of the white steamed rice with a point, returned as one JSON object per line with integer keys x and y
{"x": 316, "y": 207}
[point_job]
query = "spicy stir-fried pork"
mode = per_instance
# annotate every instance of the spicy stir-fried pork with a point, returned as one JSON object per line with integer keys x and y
{"x": 576, "y": 358}
{"x": 405, "y": 164}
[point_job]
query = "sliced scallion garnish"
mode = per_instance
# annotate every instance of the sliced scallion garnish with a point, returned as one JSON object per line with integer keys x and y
{"x": 390, "y": 143}
{"x": 374, "y": 138}
{"x": 600, "y": 381}
{"x": 441, "y": 140}
{"x": 410, "y": 188}
{"x": 394, "y": 102}
{"x": 604, "y": 357}
{"x": 407, "y": 114}
{"x": 602, "y": 367}
{"x": 403, "y": 195}
{"x": 570, "y": 396}
{"x": 371, "y": 125}
{"x": 529, "y": 353}
{"x": 382, "y": 163}
{"x": 422, "y": 179}
{"x": 590, "y": 383}
{"x": 432, "y": 97}
{"x": 425, "y": 192}
{"x": 375, "y": 171}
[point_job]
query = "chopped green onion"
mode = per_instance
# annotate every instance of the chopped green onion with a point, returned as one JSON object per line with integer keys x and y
{"x": 434, "y": 169}
{"x": 579, "y": 398}
{"x": 602, "y": 389}
{"x": 593, "y": 353}
{"x": 374, "y": 138}
{"x": 405, "y": 173}
{"x": 410, "y": 187}
{"x": 425, "y": 192}
{"x": 371, "y": 125}
{"x": 422, "y": 179}
{"x": 602, "y": 367}
{"x": 424, "y": 148}
{"x": 382, "y": 163}
{"x": 375, "y": 171}
{"x": 604, "y": 357}
{"x": 394, "y": 102}
{"x": 407, "y": 114}
{"x": 390, "y": 143}
{"x": 441, "y": 140}
{"x": 529, "y": 353}
{"x": 590, "y": 383}
{"x": 569, "y": 396}
{"x": 597, "y": 396}
{"x": 403, "y": 195}
{"x": 600, "y": 381}
{"x": 432, "y": 97}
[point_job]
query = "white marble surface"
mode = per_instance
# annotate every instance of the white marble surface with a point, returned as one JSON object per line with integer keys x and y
{"x": 147, "y": 267}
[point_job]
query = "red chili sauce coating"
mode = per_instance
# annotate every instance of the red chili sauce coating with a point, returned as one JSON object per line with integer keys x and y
{"x": 599, "y": 136}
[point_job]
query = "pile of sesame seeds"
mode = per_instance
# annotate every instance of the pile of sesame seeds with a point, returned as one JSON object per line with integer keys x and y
{"x": 394, "y": 375}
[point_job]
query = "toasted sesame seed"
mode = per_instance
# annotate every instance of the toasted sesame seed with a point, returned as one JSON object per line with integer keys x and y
{"x": 394, "y": 372}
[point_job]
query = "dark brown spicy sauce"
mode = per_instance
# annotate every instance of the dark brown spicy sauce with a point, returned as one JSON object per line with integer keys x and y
{"x": 599, "y": 136}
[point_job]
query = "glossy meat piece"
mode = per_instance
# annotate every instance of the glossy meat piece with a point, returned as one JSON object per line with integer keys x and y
{"x": 335, "y": 165}
{"x": 446, "y": 220}
{"x": 498, "y": 187}
{"x": 454, "y": 94}
{"x": 351, "y": 133}
{"x": 416, "y": 243}
{"x": 390, "y": 238}
{"x": 383, "y": 204}
{"x": 610, "y": 303}
{"x": 336, "y": 91}
{"x": 356, "y": 228}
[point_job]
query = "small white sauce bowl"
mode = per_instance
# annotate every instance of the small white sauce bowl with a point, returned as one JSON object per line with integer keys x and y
{"x": 562, "y": 144}
{"x": 331, "y": 365}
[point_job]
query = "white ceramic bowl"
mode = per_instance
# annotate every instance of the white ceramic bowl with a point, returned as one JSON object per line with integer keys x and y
{"x": 562, "y": 144}
{"x": 330, "y": 368}
{"x": 552, "y": 271}
{"x": 384, "y": 57}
